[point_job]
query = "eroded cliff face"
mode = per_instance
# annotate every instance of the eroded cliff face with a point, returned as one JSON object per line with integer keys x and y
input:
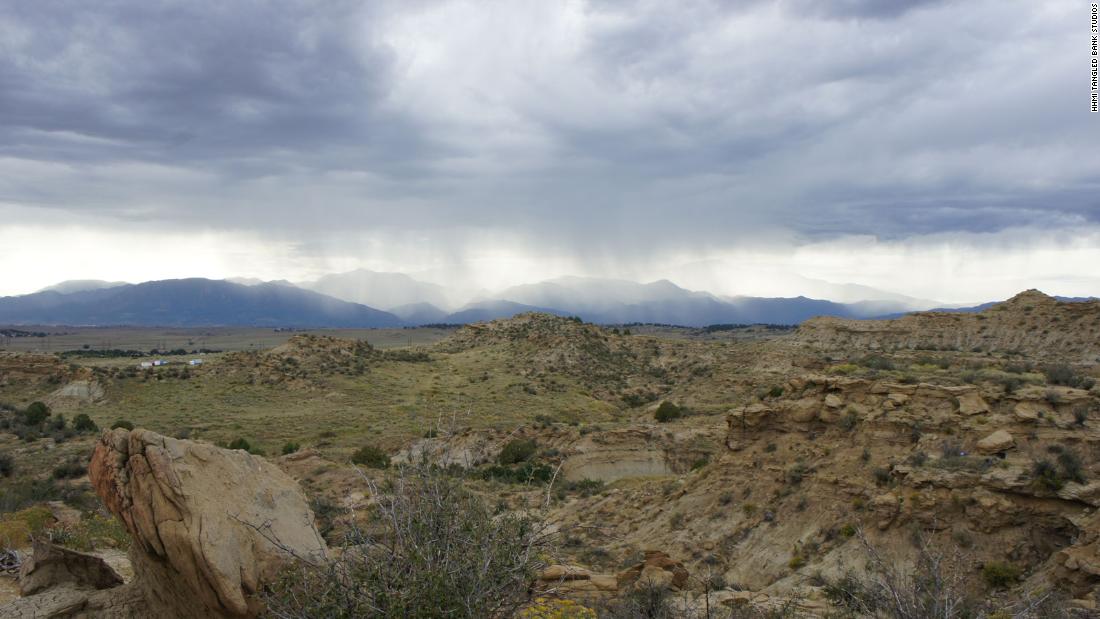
{"x": 209, "y": 527}
{"x": 770, "y": 496}
{"x": 1032, "y": 323}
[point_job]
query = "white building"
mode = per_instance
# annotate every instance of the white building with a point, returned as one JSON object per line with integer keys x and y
{"x": 195, "y": 362}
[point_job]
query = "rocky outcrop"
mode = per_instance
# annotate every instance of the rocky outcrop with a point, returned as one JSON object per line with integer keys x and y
{"x": 51, "y": 566}
{"x": 209, "y": 525}
{"x": 1031, "y": 322}
{"x": 657, "y": 570}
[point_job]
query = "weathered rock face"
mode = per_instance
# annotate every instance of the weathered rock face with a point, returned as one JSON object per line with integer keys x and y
{"x": 51, "y": 566}
{"x": 658, "y": 569}
{"x": 209, "y": 525}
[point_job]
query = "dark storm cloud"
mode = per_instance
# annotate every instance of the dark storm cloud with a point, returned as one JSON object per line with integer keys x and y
{"x": 607, "y": 123}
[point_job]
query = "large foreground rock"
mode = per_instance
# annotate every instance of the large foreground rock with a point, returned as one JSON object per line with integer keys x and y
{"x": 209, "y": 525}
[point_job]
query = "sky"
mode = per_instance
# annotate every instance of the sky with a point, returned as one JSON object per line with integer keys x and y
{"x": 940, "y": 149}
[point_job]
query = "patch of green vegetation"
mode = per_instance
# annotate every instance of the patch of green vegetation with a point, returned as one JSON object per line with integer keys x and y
{"x": 516, "y": 451}
{"x": 371, "y": 456}
{"x": 1000, "y": 575}
{"x": 667, "y": 411}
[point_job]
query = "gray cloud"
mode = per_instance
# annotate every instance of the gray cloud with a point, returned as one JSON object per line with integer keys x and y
{"x": 595, "y": 127}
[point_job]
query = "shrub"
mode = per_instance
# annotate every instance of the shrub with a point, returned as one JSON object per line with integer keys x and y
{"x": 7, "y": 465}
{"x": 796, "y": 473}
{"x": 1062, "y": 374}
{"x": 1080, "y": 414}
{"x": 935, "y": 589}
{"x": 1072, "y": 467}
{"x": 371, "y": 456}
{"x": 516, "y": 451}
{"x": 69, "y": 470}
{"x": 849, "y": 421}
{"x": 526, "y": 472}
{"x": 436, "y": 550}
{"x": 1046, "y": 475}
{"x": 84, "y": 423}
{"x": 877, "y": 362}
{"x": 239, "y": 443}
{"x": 667, "y": 411}
{"x": 92, "y": 529}
{"x": 647, "y": 600}
{"x": 122, "y": 423}
{"x": 290, "y": 447}
{"x": 21, "y": 493}
{"x": 999, "y": 575}
{"x": 36, "y": 413}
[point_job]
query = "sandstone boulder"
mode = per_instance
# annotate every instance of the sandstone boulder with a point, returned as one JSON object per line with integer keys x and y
{"x": 971, "y": 403}
{"x": 1029, "y": 411}
{"x": 753, "y": 416}
{"x": 50, "y": 566}
{"x": 556, "y": 573}
{"x": 209, "y": 525}
{"x": 995, "y": 443}
{"x": 657, "y": 569}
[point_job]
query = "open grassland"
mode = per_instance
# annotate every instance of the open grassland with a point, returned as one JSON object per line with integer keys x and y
{"x": 54, "y": 339}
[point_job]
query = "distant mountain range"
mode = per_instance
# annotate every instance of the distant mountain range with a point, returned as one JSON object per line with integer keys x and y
{"x": 353, "y": 299}
{"x": 191, "y": 302}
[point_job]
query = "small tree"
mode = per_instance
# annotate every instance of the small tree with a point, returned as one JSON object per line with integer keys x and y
{"x": 84, "y": 423}
{"x": 290, "y": 448}
{"x": 667, "y": 411}
{"x": 516, "y": 451}
{"x": 434, "y": 549}
{"x": 122, "y": 423}
{"x": 36, "y": 413}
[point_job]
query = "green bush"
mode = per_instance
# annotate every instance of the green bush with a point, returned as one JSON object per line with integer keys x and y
{"x": 69, "y": 470}
{"x": 122, "y": 423}
{"x": 1062, "y": 374}
{"x": 84, "y": 423}
{"x": 290, "y": 447}
{"x": 36, "y": 413}
{"x": 239, "y": 443}
{"x": 667, "y": 411}
{"x": 7, "y": 465}
{"x": 1000, "y": 575}
{"x": 1047, "y": 476}
{"x": 524, "y": 473}
{"x": 516, "y": 451}
{"x": 371, "y": 456}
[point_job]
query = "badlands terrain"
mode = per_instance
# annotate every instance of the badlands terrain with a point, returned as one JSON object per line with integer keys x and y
{"x": 742, "y": 471}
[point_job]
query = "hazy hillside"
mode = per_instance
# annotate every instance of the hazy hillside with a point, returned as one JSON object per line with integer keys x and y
{"x": 192, "y": 302}
{"x": 610, "y": 301}
{"x": 387, "y": 290}
{"x": 419, "y": 313}
{"x": 80, "y": 285}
